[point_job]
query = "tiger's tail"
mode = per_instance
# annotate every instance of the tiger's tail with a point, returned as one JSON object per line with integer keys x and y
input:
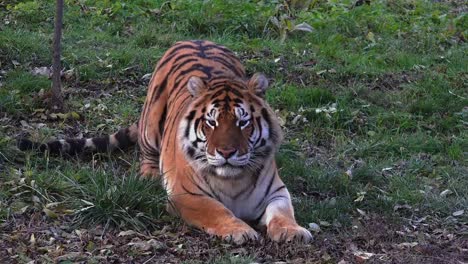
{"x": 122, "y": 139}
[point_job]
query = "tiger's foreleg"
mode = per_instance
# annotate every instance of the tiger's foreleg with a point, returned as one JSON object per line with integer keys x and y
{"x": 149, "y": 140}
{"x": 149, "y": 159}
{"x": 280, "y": 222}
{"x": 212, "y": 216}
{"x": 149, "y": 166}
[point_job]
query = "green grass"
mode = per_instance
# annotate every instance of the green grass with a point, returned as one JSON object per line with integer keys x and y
{"x": 395, "y": 72}
{"x": 105, "y": 193}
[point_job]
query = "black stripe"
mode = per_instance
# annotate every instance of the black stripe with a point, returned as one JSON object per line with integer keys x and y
{"x": 264, "y": 153}
{"x": 75, "y": 145}
{"x": 276, "y": 198}
{"x": 176, "y": 117}
{"x": 172, "y": 56}
{"x": 189, "y": 192}
{"x": 176, "y": 48}
{"x": 101, "y": 143}
{"x": 230, "y": 57}
{"x": 200, "y": 67}
{"x": 267, "y": 190}
{"x": 277, "y": 189}
{"x": 180, "y": 88}
{"x": 251, "y": 188}
{"x": 266, "y": 116}
{"x": 260, "y": 128}
{"x": 55, "y": 147}
{"x": 214, "y": 195}
{"x": 217, "y": 101}
{"x": 218, "y": 93}
{"x": 221, "y": 48}
{"x": 123, "y": 139}
{"x": 171, "y": 72}
{"x": 189, "y": 119}
{"x": 258, "y": 171}
{"x": 160, "y": 88}
{"x": 26, "y": 144}
{"x": 198, "y": 186}
{"x": 181, "y": 64}
{"x": 228, "y": 65}
{"x": 162, "y": 121}
{"x": 195, "y": 126}
{"x": 190, "y": 151}
{"x": 239, "y": 94}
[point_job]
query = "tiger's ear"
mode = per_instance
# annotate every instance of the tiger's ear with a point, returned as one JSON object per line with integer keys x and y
{"x": 195, "y": 86}
{"x": 258, "y": 84}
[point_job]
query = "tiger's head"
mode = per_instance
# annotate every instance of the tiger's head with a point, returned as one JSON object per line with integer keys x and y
{"x": 229, "y": 129}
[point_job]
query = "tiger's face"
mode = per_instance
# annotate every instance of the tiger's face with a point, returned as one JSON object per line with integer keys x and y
{"x": 228, "y": 129}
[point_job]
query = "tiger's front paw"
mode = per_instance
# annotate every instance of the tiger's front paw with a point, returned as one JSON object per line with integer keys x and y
{"x": 238, "y": 233}
{"x": 286, "y": 231}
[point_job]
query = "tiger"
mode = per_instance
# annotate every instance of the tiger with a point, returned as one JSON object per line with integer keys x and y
{"x": 207, "y": 132}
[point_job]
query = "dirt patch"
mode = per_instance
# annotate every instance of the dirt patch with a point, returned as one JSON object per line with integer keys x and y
{"x": 370, "y": 239}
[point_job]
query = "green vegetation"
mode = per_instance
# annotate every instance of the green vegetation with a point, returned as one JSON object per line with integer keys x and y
{"x": 374, "y": 103}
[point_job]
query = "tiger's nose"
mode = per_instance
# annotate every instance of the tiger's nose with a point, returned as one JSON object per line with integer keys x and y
{"x": 226, "y": 152}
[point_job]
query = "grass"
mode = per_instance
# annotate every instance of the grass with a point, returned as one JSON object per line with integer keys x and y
{"x": 380, "y": 90}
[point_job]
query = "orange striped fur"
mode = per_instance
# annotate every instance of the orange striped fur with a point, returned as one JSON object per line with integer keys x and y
{"x": 207, "y": 132}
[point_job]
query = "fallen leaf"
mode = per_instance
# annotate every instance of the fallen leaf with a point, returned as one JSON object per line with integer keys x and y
{"x": 445, "y": 193}
{"x": 49, "y": 213}
{"x": 326, "y": 257}
{"x": 25, "y": 124}
{"x": 458, "y": 213}
{"x": 146, "y": 77}
{"x": 41, "y": 71}
{"x": 70, "y": 256}
{"x": 362, "y": 255}
{"x": 370, "y": 36}
{"x": 314, "y": 227}
{"x": 147, "y": 245}
{"x": 296, "y": 119}
{"x": 361, "y": 212}
{"x": 32, "y": 239}
{"x": 398, "y": 207}
{"x": 303, "y": 27}
{"x": 127, "y": 233}
{"x": 407, "y": 245}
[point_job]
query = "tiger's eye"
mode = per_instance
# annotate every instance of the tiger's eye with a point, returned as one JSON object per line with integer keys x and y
{"x": 211, "y": 123}
{"x": 243, "y": 123}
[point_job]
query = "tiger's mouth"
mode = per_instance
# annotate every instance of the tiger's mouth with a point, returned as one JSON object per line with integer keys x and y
{"x": 229, "y": 167}
{"x": 234, "y": 161}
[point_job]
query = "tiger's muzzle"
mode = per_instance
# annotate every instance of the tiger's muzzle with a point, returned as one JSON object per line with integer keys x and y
{"x": 230, "y": 158}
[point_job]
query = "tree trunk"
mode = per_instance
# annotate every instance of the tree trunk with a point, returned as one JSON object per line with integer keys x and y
{"x": 56, "y": 102}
